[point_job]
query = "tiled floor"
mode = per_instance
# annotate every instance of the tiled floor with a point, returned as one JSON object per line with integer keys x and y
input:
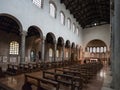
{"x": 99, "y": 82}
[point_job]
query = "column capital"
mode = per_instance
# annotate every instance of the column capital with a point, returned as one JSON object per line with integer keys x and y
{"x": 23, "y": 33}
{"x": 43, "y": 38}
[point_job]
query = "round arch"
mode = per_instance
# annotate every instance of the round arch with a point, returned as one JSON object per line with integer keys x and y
{"x": 67, "y": 44}
{"x": 96, "y": 42}
{"x": 10, "y": 29}
{"x": 73, "y": 45}
{"x": 13, "y": 18}
{"x": 50, "y": 38}
{"x": 60, "y": 41}
{"x": 36, "y": 31}
{"x": 33, "y": 43}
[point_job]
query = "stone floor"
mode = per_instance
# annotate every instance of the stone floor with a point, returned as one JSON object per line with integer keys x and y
{"x": 107, "y": 79}
{"x": 100, "y": 82}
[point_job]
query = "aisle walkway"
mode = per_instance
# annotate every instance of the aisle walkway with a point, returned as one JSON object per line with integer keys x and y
{"x": 107, "y": 79}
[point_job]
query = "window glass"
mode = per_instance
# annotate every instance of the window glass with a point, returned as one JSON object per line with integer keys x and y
{"x": 38, "y": 3}
{"x": 52, "y": 10}
{"x": 98, "y": 49}
{"x": 104, "y": 49}
{"x": 68, "y": 23}
{"x": 14, "y": 48}
{"x": 101, "y": 49}
{"x": 77, "y": 30}
{"x": 62, "y": 18}
{"x": 73, "y": 28}
{"x": 50, "y": 52}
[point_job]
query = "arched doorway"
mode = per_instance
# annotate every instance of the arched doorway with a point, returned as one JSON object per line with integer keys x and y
{"x": 60, "y": 49}
{"x": 33, "y": 44}
{"x": 73, "y": 52}
{"x": 67, "y": 52}
{"x": 50, "y": 47}
{"x": 10, "y": 31}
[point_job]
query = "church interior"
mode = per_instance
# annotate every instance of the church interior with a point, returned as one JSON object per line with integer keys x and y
{"x": 59, "y": 45}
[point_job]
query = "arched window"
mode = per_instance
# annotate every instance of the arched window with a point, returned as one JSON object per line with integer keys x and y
{"x": 101, "y": 49}
{"x": 90, "y": 49}
{"x": 32, "y": 55}
{"x": 68, "y": 23}
{"x": 52, "y": 10}
{"x": 77, "y": 30}
{"x": 94, "y": 49}
{"x": 38, "y": 3}
{"x": 50, "y": 52}
{"x": 14, "y": 48}
{"x": 62, "y": 18}
{"x": 98, "y": 49}
{"x": 105, "y": 49}
{"x": 73, "y": 28}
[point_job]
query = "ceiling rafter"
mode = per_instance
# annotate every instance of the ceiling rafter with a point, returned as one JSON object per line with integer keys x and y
{"x": 87, "y": 12}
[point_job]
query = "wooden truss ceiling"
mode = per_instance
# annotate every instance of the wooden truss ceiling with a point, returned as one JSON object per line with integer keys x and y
{"x": 89, "y": 12}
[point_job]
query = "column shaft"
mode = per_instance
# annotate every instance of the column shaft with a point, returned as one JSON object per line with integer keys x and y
{"x": 43, "y": 50}
{"x": 55, "y": 48}
{"x": 117, "y": 45}
{"x": 22, "y": 54}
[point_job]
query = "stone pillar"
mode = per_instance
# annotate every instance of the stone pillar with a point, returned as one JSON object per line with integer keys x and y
{"x": 55, "y": 47}
{"x": 117, "y": 44}
{"x": 43, "y": 50}
{"x": 112, "y": 52}
{"x": 22, "y": 48}
{"x": 112, "y": 59}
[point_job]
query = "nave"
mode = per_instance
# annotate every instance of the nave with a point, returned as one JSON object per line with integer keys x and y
{"x": 92, "y": 77}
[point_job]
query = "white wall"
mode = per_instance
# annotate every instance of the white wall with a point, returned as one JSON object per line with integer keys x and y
{"x": 99, "y": 32}
{"x": 29, "y": 14}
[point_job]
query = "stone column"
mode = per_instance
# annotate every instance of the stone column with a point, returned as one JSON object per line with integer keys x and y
{"x": 112, "y": 53}
{"x": 55, "y": 47}
{"x": 22, "y": 48}
{"x": 43, "y": 49}
{"x": 117, "y": 44}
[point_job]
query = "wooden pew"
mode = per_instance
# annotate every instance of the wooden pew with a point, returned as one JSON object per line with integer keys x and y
{"x": 84, "y": 78}
{"x": 16, "y": 69}
{"x": 65, "y": 79}
{"x": 40, "y": 83}
{"x": 10, "y": 69}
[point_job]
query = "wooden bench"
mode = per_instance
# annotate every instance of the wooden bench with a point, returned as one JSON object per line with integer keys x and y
{"x": 40, "y": 83}
{"x": 65, "y": 79}
{"x": 74, "y": 73}
{"x": 10, "y": 69}
{"x": 16, "y": 69}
